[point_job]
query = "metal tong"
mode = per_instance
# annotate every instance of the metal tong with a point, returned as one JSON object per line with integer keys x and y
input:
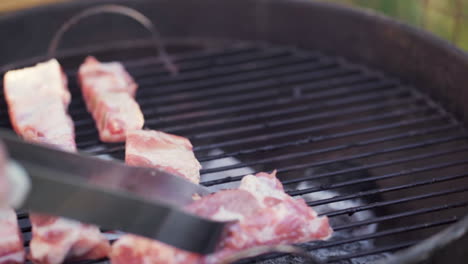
{"x": 112, "y": 195}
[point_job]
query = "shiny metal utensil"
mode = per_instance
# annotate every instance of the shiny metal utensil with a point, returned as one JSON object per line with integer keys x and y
{"x": 112, "y": 195}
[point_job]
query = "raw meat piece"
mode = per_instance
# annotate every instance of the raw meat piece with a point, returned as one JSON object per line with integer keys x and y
{"x": 266, "y": 216}
{"x": 37, "y": 99}
{"x": 44, "y": 80}
{"x": 131, "y": 249}
{"x": 117, "y": 114}
{"x": 47, "y": 123}
{"x": 11, "y": 242}
{"x": 56, "y": 239}
{"x": 149, "y": 148}
{"x": 109, "y": 91}
{"x": 109, "y": 77}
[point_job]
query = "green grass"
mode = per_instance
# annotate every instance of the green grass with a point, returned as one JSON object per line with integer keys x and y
{"x": 440, "y": 15}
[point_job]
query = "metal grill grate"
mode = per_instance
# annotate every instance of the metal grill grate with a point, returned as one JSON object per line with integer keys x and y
{"x": 366, "y": 141}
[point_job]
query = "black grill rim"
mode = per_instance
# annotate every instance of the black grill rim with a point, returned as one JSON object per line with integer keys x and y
{"x": 384, "y": 43}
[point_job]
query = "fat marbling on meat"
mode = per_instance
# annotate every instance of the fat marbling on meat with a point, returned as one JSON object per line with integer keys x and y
{"x": 265, "y": 215}
{"x": 37, "y": 99}
{"x": 109, "y": 90}
{"x": 155, "y": 149}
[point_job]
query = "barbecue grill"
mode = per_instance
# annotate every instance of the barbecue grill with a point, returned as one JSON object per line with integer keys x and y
{"x": 362, "y": 116}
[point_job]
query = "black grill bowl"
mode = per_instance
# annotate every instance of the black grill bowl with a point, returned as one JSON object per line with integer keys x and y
{"x": 336, "y": 99}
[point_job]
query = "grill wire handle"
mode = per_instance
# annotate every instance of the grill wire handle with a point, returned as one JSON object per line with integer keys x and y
{"x": 121, "y": 10}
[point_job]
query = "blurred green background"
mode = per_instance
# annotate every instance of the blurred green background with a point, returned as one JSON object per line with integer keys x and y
{"x": 446, "y": 18}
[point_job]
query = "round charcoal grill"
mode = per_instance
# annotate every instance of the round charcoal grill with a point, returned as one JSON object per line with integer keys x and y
{"x": 361, "y": 116}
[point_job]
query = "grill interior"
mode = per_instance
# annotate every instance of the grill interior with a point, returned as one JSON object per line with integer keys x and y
{"x": 384, "y": 162}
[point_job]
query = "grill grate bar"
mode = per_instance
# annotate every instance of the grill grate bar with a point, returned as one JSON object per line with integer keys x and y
{"x": 330, "y": 103}
{"x": 392, "y": 248}
{"x": 364, "y": 155}
{"x": 148, "y": 104}
{"x": 311, "y": 139}
{"x": 331, "y": 91}
{"x": 207, "y": 78}
{"x": 366, "y": 119}
{"x": 22, "y": 215}
{"x": 340, "y": 258}
{"x": 202, "y": 104}
{"x": 356, "y": 209}
{"x": 281, "y": 122}
{"x": 308, "y": 153}
{"x": 130, "y": 64}
{"x": 290, "y": 121}
{"x": 401, "y": 215}
{"x": 270, "y": 84}
{"x": 388, "y": 189}
{"x": 335, "y": 148}
{"x": 192, "y": 68}
{"x": 383, "y": 164}
{"x": 386, "y": 176}
{"x": 324, "y": 150}
{"x": 145, "y": 75}
{"x": 306, "y": 140}
{"x": 276, "y": 69}
{"x": 25, "y": 229}
{"x": 385, "y": 233}
{"x": 189, "y": 61}
{"x": 256, "y": 62}
{"x": 232, "y": 89}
